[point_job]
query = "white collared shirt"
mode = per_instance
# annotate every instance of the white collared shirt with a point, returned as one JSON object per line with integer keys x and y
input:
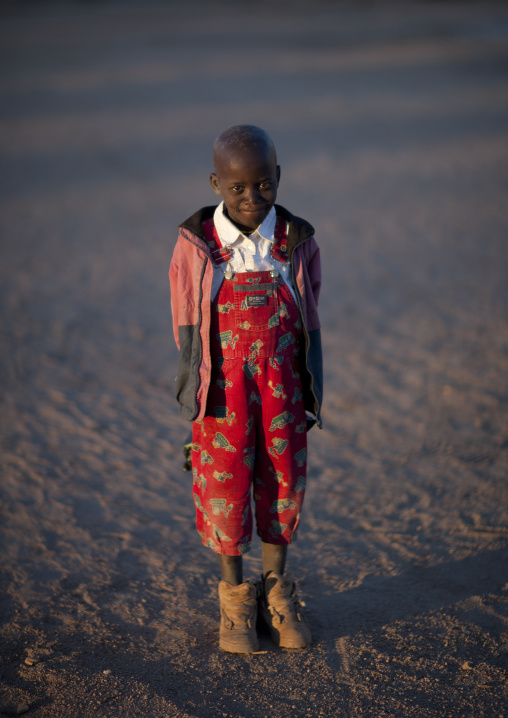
{"x": 250, "y": 253}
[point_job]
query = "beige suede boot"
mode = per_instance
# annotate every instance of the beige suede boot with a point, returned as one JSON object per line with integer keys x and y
{"x": 238, "y": 613}
{"x": 281, "y": 610}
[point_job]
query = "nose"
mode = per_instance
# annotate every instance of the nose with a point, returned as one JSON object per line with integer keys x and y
{"x": 253, "y": 195}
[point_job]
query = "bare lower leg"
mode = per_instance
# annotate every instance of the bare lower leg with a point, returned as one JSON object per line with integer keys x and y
{"x": 232, "y": 569}
{"x": 274, "y": 557}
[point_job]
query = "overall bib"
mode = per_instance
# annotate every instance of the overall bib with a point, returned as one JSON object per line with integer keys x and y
{"x": 253, "y": 438}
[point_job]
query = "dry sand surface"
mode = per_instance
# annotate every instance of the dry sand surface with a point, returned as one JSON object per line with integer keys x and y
{"x": 391, "y": 123}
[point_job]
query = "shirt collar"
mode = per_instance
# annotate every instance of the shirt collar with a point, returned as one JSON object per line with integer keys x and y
{"x": 229, "y": 233}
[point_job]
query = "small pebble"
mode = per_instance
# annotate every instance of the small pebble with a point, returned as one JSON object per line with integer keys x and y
{"x": 22, "y": 708}
{"x": 466, "y": 666}
{"x": 31, "y": 661}
{"x": 107, "y": 672}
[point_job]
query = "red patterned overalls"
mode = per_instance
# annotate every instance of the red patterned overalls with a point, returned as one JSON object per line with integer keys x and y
{"x": 254, "y": 434}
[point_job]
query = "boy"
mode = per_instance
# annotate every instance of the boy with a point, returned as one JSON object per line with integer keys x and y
{"x": 245, "y": 279}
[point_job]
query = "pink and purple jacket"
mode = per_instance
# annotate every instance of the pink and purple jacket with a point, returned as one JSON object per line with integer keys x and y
{"x": 190, "y": 276}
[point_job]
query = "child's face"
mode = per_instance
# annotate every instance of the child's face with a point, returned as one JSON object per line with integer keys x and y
{"x": 247, "y": 179}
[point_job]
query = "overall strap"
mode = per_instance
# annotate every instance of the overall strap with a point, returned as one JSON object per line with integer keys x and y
{"x": 279, "y": 248}
{"x": 219, "y": 253}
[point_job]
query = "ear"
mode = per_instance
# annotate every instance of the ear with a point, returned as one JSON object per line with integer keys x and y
{"x": 278, "y": 174}
{"x": 214, "y": 181}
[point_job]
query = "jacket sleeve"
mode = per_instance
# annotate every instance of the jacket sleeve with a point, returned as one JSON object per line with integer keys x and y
{"x": 314, "y": 268}
{"x": 310, "y": 270}
{"x": 190, "y": 276}
{"x": 308, "y": 278}
{"x": 185, "y": 276}
{"x": 173, "y": 282}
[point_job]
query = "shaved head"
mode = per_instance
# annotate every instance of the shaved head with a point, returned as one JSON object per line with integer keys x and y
{"x": 241, "y": 138}
{"x": 246, "y": 174}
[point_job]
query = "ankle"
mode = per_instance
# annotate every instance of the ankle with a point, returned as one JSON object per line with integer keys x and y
{"x": 274, "y": 558}
{"x": 231, "y": 568}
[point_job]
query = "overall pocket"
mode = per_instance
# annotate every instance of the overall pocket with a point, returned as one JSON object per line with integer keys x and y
{"x": 256, "y": 306}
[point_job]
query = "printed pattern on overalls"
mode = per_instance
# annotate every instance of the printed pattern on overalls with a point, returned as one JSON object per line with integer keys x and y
{"x": 253, "y": 438}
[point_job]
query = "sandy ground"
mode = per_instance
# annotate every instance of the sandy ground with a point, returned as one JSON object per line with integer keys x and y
{"x": 392, "y": 128}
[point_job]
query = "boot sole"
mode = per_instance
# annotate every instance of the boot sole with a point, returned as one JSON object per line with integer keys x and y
{"x": 238, "y": 647}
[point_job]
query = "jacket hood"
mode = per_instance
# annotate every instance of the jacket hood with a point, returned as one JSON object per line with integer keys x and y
{"x": 299, "y": 229}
